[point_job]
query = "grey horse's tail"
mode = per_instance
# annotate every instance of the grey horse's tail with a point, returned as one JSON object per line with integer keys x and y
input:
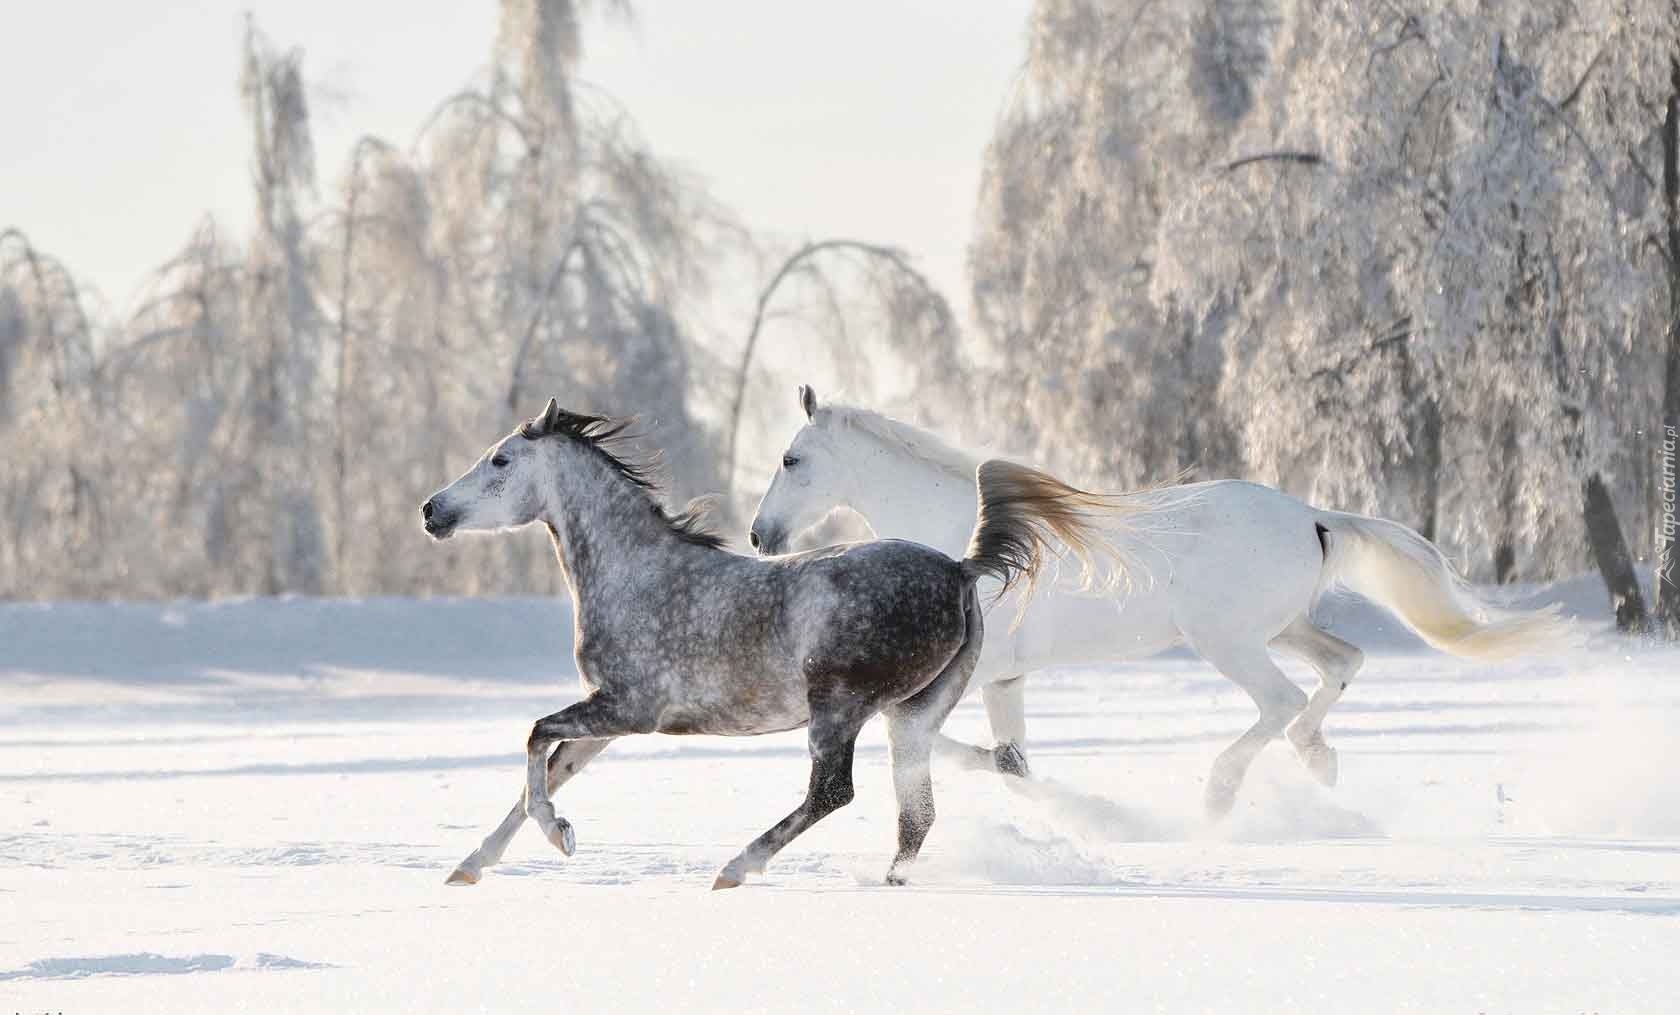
{"x": 1026, "y": 515}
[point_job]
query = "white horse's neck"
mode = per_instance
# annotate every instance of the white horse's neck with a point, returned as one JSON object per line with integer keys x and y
{"x": 902, "y": 496}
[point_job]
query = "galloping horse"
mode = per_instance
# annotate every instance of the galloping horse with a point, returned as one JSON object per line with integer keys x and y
{"x": 675, "y": 634}
{"x": 1229, "y": 568}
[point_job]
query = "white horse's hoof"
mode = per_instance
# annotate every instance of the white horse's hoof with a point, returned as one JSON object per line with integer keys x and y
{"x": 560, "y": 834}
{"x": 1220, "y": 797}
{"x": 1008, "y": 760}
{"x": 1320, "y": 759}
{"x": 462, "y": 876}
{"x": 1318, "y": 756}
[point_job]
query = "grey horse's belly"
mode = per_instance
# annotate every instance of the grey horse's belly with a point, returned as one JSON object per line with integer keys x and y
{"x": 736, "y": 705}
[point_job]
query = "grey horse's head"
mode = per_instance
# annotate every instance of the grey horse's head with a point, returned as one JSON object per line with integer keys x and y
{"x": 504, "y": 489}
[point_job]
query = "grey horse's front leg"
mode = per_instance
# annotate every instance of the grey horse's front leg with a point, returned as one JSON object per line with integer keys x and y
{"x": 567, "y": 760}
{"x": 594, "y": 718}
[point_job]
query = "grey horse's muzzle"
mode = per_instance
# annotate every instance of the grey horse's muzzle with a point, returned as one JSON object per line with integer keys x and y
{"x": 438, "y": 522}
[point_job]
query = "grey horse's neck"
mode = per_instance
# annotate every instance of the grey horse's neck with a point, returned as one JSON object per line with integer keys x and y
{"x": 607, "y": 532}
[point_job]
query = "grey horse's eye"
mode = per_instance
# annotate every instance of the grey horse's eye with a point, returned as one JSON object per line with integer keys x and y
{"x": 789, "y": 461}
{"x": 500, "y": 461}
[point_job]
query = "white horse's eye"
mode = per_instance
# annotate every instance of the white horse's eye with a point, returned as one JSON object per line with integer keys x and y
{"x": 500, "y": 461}
{"x": 789, "y": 461}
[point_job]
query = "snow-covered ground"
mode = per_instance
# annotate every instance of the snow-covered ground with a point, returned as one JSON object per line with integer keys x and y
{"x": 253, "y": 805}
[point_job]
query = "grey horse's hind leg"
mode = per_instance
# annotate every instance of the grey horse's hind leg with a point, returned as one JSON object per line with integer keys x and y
{"x": 567, "y": 760}
{"x": 912, "y": 725}
{"x": 833, "y": 739}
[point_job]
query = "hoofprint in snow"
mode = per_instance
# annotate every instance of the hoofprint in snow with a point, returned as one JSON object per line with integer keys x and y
{"x": 252, "y": 804}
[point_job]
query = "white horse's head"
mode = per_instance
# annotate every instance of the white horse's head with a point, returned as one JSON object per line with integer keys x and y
{"x": 504, "y": 489}
{"x": 818, "y": 474}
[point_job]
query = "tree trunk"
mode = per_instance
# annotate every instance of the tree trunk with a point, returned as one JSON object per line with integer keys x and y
{"x": 1665, "y": 580}
{"x": 1610, "y": 551}
{"x": 1505, "y": 552}
{"x": 1429, "y": 455}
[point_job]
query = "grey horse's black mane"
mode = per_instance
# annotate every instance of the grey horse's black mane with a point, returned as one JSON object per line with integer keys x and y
{"x": 600, "y": 434}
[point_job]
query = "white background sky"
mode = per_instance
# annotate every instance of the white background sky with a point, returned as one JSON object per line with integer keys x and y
{"x": 120, "y": 124}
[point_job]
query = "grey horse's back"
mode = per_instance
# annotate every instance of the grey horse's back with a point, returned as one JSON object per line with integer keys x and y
{"x": 877, "y": 609}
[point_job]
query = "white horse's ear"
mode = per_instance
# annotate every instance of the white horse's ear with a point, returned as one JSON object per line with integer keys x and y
{"x": 808, "y": 401}
{"x": 551, "y": 415}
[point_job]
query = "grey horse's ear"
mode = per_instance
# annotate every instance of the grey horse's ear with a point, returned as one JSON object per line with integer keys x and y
{"x": 808, "y": 401}
{"x": 551, "y": 415}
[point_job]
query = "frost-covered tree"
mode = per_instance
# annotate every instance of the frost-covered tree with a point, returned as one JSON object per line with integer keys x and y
{"x": 50, "y": 491}
{"x": 1108, "y": 122}
{"x": 1665, "y": 509}
{"x": 281, "y": 401}
{"x": 1399, "y": 257}
{"x": 862, "y": 315}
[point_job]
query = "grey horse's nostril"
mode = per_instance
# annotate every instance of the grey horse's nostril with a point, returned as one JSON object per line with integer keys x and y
{"x": 426, "y": 511}
{"x": 752, "y": 538}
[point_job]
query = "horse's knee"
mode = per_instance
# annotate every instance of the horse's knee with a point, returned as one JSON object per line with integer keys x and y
{"x": 841, "y": 795}
{"x": 832, "y": 794}
{"x": 1346, "y": 666}
{"x": 1282, "y": 704}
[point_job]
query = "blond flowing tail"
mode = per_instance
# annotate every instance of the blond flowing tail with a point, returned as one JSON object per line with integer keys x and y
{"x": 1397, "y": 568}
{"x": 1027, "y": 516}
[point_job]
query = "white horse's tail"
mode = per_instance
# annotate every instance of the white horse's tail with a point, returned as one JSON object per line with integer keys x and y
{"x": 1397, "y": 568}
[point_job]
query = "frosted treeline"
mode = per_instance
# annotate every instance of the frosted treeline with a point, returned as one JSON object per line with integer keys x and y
{"x": 271, "y": 415}
{"x": 1411, "y": 258}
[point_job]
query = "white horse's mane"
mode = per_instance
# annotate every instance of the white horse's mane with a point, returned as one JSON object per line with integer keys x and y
{"x": 1139, "y": 518}
{"x": 907, "y": 437}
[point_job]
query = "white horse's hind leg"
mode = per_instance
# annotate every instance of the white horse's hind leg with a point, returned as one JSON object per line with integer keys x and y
{"x": 1279, "y": 701}
{"x": 568, "y": 760}
{"x": 1336, "y": 662}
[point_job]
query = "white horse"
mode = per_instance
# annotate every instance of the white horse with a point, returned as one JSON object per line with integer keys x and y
{"x": 1228, "y": 568}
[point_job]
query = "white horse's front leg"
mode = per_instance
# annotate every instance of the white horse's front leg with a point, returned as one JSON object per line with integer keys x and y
{"x": 1006, "y": 710}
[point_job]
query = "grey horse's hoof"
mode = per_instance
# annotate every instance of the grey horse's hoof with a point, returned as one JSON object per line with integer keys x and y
{"x": 1010, "y": 761}
{"x": 462, "y": 876}
{"x": 724, "y": 881}
{"x": 562, "y": 837}
{"x": 896, "y": 879}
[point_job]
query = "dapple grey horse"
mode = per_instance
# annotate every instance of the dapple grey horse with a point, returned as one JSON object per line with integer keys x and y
{"x": 675, "y": 634}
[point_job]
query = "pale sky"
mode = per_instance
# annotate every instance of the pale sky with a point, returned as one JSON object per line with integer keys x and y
{"x": 120, "y": 124}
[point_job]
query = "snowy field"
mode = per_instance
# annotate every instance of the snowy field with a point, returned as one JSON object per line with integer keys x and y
{"x": 253, "y": 805}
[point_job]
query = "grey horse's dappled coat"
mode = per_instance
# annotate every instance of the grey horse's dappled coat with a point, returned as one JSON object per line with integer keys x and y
{"x": 675, "y": 634}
